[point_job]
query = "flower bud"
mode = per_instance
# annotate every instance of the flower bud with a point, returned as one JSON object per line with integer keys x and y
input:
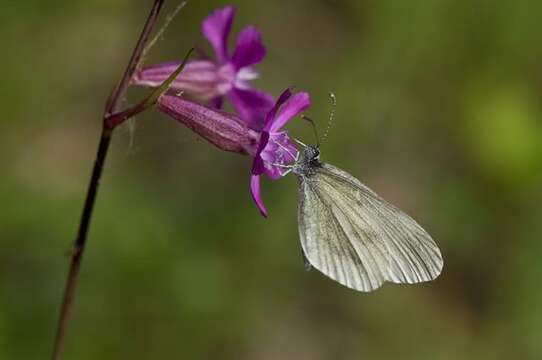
{"x": 225, "y": 131}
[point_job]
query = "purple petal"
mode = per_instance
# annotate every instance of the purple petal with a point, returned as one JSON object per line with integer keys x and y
{"x": 295, "y": 105}
{"x": 251, "y": 105}
{"x": 199, "y": 78}
{"x": 255, "y": 192}
{"x": 271, "y": 114}
{"x": 216, "y": 28}
{"x": 154, "y": 75}
{"x": 249, "y": 49}
{"x": 279, "y": 152}
{"x": 258, "y": 165}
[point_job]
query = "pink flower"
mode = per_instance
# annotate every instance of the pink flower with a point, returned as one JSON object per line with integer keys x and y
{"x": 275, "y": 149}
{"x": 228, "y": 76}
{"x": 271, "y": 148}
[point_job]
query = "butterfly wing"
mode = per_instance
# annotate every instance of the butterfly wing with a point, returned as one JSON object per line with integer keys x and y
{"x": 355, "y": 237}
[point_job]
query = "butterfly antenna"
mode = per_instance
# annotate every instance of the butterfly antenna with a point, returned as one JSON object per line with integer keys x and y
{"x": 333, "y": 99}
{"x": 306, "y": 118}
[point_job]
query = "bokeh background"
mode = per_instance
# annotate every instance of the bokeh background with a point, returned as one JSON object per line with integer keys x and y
{"x": 438, "y": 110}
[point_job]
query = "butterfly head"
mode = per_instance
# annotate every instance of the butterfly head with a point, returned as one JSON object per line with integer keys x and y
{"x": 309, "y": 158}
{"x": 311, "y": 153}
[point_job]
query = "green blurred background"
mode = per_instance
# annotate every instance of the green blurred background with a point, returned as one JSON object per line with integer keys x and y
{"x": 438, "y": 111}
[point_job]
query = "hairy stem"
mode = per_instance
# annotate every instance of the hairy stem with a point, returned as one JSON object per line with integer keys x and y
{"x": 112, "y": 105}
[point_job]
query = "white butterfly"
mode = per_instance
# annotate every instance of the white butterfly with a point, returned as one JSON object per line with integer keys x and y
{"x": 355, "y": 237}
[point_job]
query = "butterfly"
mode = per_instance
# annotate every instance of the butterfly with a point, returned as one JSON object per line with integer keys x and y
{"x": 352, "y": 235}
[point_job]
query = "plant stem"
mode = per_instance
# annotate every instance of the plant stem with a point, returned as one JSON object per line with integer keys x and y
{"x": 80, "y": 241}
{"x": 112, "y": 105}
{"x": 114, "y": 100}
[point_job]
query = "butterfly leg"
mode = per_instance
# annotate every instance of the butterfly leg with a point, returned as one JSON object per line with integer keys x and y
{"x": 283, "y": 166}
{"x": 288, "y": 167}
{"x": 300, "y": 143}
{"x": 296, "y": 157}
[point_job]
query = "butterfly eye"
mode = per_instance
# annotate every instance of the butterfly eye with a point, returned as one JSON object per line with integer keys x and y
{"x": 315, "y": 153}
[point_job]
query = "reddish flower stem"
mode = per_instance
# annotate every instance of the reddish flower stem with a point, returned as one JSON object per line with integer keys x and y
{"x": 112, "y": 105}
